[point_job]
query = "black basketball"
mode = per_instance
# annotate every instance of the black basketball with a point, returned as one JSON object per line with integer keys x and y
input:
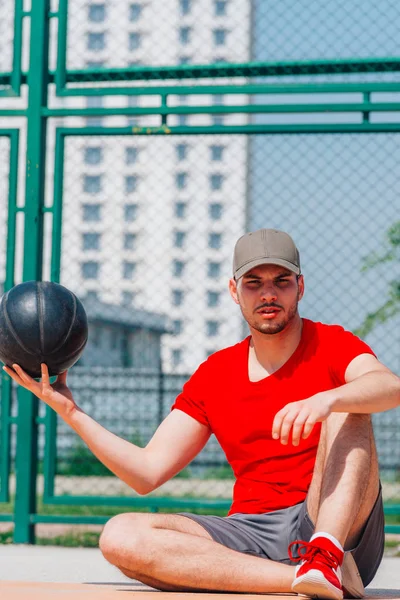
{"x": 42, "y": 322}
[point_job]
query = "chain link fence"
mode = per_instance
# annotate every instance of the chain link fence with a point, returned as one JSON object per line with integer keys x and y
{"x": 149, "y": 226}
{"x": 4, "y": 186}
{"x": 149, "y": 223}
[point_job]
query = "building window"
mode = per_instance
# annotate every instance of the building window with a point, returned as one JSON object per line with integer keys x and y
{"x": 131, "y": 155}
{"x": 220, "y": 8}
{"x": 94, "y": 102}
{"x": 182, "y": 120}
{"x": 93, "y": 156}
{"x": 181, "y": 151}
{"x": 90, "y": 270}
{"x": 217, "y": 119}
{"x": 184, "y": 60}
{"x": 134, "y": 40}
{"x": 114, "y": 337}
{"x": 91, "y": 212}
{"x": 219, "y": 37}
{"x": 91, "y": 241}
{"x": 216, "y": 181}
{"x": 95, "y": 64}
{"x": 135, "y": 12}
{"x": 218, "y": 99}
{"x": 177, "y": 326}
{"x": 91, "y": 296}
{"x": 179, "y": 239}
{"x": 176, "y": 356}
{"x": 185, "y": 7}
{"x": 97, "y": 13}
{"x": 181, "y": 180}
{"x": 130, "y": 212}
{"x": 92, "y": 184}
{"x": 217, "y": 152}
{"x": 131, "y": 182}
{"x": 128, "y": 269}
{"x": 215, "y": 211}
{"x": 180, "y": 210}
{"x": 212, "y": 328}
{"x": 213, "y": 298}
{"x": 177, "y": 297}
{"x": 132, "y": 102}
{"x": 215, "y": 241}
{"x": 185, "y": 34}
{"x": 213, "y": 269}
{"x": 130, "y": 240}
{"x": 96, "y": 41}
{"x": 178, "y": 267}
{"x": 127, "y": 298}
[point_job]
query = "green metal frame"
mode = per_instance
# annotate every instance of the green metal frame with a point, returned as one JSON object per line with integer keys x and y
{"x": 254, "y": 83}
{"x": 13, "y": 80}
{"x": 63, "y": 77}
{"x": 5, "y": 441}
{"x": 154, "y": 503}
{"x": 37, "y": 81}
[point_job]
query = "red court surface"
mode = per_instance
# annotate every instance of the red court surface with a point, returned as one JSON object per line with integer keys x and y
{"x": 10, "y": 590}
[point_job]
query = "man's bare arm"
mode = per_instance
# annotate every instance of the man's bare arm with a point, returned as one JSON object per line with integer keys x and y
{"x": 370, "y": 387}
{"x": 178, "y": 439}
{"x": 175, "y": 443}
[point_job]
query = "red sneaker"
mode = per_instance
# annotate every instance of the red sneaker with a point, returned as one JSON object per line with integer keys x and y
{"x": 319, "y": 574}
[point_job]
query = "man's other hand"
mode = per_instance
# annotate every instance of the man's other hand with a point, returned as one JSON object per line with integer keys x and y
{"x": 300, "y": 417}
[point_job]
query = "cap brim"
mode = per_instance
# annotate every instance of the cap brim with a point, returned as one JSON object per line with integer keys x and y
{"x": 266, "y": 261}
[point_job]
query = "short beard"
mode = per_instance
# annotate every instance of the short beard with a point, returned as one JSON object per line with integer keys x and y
{"x": 273, "y": 328}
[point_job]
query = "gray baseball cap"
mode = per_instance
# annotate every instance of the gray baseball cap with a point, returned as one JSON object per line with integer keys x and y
{"x": 265, "y": 247}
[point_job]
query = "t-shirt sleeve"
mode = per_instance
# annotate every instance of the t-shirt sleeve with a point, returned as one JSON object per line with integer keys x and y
{"x": 344, "y": 346}
{"x": 191, "y": 399}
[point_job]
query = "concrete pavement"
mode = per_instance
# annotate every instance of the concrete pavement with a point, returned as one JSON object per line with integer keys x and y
{"x": 87, "y": 565}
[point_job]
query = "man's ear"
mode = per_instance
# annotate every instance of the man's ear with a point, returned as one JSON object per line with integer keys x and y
{"x": 300, "y": 282}
{"x": 233, "y": 290}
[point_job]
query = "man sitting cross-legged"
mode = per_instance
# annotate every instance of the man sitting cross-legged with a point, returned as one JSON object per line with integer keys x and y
{"x": 290, "y": 406}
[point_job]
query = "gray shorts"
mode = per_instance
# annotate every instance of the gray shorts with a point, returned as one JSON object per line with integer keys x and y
{"x": 268, "y": 535}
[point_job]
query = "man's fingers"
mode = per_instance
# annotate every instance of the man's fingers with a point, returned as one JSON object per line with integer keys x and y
{"x": 277, "y": 424}
{"x": 297, "y": 429}
{"x": 27, "y": 380}
{"x": 308, "y": 427}
{"x": 13, "y": 375}
{"x": 45, "y": 375}
{"x": 286, "y": 427}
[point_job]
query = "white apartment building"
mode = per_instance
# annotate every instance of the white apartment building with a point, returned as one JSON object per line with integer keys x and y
{"x": 150, "y": 222}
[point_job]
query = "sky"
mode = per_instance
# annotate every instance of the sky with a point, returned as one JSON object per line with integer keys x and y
{"x": 336, "y": 194}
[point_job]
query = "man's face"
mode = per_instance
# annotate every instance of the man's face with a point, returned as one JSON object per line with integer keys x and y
{"x": 268, "y": 296}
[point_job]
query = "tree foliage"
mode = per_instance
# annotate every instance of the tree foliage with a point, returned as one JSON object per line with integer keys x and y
{"x": 391, "y": 306}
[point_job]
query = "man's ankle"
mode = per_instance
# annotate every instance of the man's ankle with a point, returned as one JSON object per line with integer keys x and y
{"x": 328, "y": 536}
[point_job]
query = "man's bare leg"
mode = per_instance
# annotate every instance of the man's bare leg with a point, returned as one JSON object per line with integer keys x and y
{"x": 345, "y": 483}
{"x": 173, "y": 553}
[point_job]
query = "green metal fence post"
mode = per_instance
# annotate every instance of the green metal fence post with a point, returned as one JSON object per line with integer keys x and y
{"x": 37, "y": 79}
{"x": 6, "y": 389}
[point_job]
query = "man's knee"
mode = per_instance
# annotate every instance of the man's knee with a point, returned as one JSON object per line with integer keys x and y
{"x": 339, "y": 418}
{"x": 124, "y": 535}
{"x": 346, "y": 423}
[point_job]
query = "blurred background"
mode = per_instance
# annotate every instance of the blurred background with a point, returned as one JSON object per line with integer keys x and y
{"x": 160, "y": 133}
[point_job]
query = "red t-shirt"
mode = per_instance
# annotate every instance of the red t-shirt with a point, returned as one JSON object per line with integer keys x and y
{"x": 269, "y": 476}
